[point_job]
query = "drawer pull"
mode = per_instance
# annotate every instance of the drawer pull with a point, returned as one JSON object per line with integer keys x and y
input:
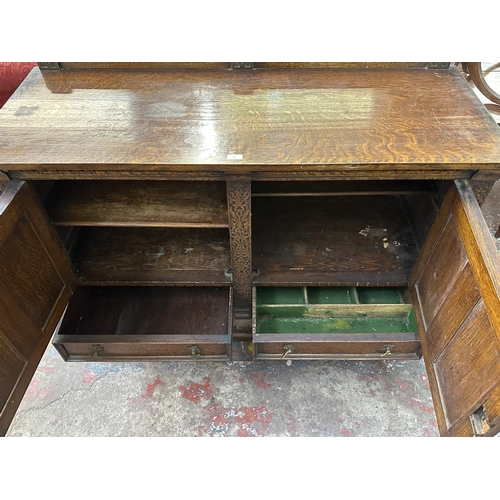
{"x": 388, "y": 349}
{"x": 195, "y": 350}
{"x": 97, "y": 350}
{"x": 288, "y": 349}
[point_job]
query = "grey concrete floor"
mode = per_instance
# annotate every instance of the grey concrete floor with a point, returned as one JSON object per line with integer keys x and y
{"x": 343, "y": 398}
{"x": 378, "y": 398}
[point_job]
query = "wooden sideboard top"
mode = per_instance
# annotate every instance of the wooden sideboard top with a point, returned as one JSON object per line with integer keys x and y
{"x": 248, "y": 120}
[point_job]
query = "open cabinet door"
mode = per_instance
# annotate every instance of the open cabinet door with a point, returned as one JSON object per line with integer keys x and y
{"x": 455, "y": 288}
{"x": 36, "y": 282}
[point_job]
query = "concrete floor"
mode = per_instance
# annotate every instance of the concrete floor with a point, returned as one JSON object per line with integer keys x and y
{"x": 378, "y": 398}
{"x": 343, "y": 398}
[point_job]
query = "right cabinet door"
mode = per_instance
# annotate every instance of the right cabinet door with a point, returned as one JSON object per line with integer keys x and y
{"x": 455, "y": 288}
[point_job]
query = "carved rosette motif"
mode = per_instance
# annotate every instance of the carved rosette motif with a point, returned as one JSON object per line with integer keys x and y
{"x": 239, "y": 209}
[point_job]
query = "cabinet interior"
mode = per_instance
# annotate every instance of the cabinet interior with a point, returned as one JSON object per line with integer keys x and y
{"x": 327, "y": 257}
{"x": 132, "y": 310}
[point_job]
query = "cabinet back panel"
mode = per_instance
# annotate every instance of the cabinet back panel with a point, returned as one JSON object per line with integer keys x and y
{"x": 150, "y": 311}
{"x": 123, "y": 255}
{"x": 140, "y": 203}
{"x": 338, "y": 240}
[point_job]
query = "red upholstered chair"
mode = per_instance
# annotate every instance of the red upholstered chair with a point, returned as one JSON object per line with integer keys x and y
{"x": 11, "y": 76}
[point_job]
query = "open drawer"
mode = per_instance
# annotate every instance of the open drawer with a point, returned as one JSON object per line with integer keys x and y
{"x": 333, "y": 323}
{"x": 147, "y": 323}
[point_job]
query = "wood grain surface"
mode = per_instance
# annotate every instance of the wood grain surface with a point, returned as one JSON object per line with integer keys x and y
{"x": 152, "y": 311}
{"x": 337, "y": 240}
{"x": 140, "y": 203}
{"x": 335, "y": 119}
{"x": 455, "y": 288}
{"x": 105, "y": 255}
{"x": 35, "y": 286}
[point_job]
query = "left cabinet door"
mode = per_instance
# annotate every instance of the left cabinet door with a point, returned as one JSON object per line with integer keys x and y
{"x": 36, "y": 282}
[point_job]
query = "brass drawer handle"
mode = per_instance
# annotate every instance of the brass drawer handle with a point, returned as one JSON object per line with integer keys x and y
{"x": 195, "y": 350}
{"x": 97, "y": 350}
{"x": 388, "y": 350}
{"x": 288, "y": 349}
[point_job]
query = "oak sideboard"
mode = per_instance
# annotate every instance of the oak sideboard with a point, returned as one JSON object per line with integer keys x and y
{"x": 310, "y": 210}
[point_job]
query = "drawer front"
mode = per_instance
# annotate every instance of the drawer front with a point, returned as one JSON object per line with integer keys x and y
{"x": 337, "y": 348}
{"x": 333, "y": 323}
{"x": 137, "y": 348}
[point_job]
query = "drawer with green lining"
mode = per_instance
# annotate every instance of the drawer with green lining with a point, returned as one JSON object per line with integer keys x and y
{"x": 333, "y": 323}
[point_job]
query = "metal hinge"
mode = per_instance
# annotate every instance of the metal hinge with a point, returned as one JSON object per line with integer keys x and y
{"x": 480, "y": 422}
{"x": 438, "y": 65}
{"x": 52, "y": 66}
{"x": 242, "y": 65}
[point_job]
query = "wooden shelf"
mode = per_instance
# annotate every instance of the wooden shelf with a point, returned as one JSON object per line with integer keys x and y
{"x": 103, "y": 255}
{"x": 354, "y": 240}
{"x": 139, "y": 203}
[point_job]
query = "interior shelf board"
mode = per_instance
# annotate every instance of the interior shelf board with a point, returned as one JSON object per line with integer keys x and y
{"x": 139, "y": 203}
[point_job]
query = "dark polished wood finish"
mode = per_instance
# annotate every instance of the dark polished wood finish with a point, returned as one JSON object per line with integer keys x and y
{"x": 217, "y": 180}
{"x": 35, "y": 286}
{"x": 387, "y": 119}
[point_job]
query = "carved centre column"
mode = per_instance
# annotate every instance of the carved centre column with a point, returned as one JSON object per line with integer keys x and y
{"x": 239, "y": 204}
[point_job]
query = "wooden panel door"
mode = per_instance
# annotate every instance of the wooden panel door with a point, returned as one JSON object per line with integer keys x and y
{"x": 36, "y": 282}
{"x": 455, "y": 287}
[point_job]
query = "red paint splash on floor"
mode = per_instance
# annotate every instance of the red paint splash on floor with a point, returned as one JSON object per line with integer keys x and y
{"x": 346, "y": 432}
{"x": 248, "y": 421}
{"x": 421, "y": 406}
{"x": 427, "y": 432}
{"x": 44, "y": 393}
{"x": 195, "y": 392}
{"x": 367, "y": 379}
{"x": 433, "y": 422}
{"x": 402, "y": 385}
{"x": 37, "y": 389}
{"x": 150, "y": 389}
{"x": 89, "y": 376}
{"x": 423, "y": 378}
{"x": 47, "y": 370}
{"x": 259, "y": 380}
